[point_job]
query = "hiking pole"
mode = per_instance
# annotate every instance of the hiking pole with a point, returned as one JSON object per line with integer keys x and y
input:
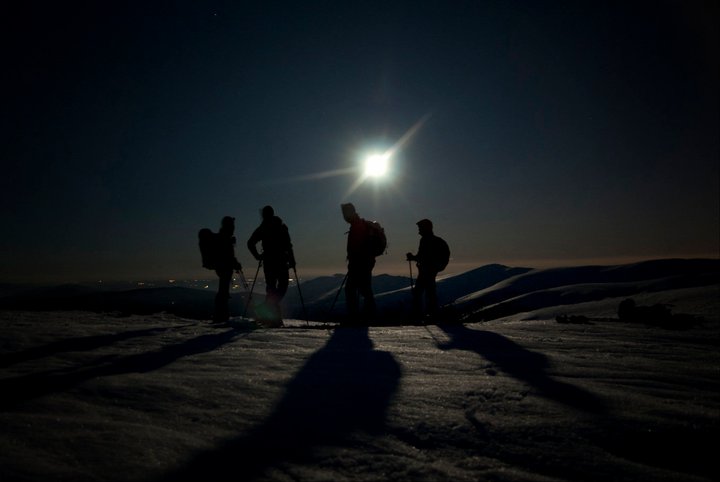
{"x": 338, "y": 293}
{"x": 411, "y": 278}
{"x": 302, "y": 302}
{"x": 247, "y": 305}
{"x": 243, "y": 278}
{"x": 244, "y": 282}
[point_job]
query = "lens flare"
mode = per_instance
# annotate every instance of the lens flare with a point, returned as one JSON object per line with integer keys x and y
{"x": 377, "y": 166}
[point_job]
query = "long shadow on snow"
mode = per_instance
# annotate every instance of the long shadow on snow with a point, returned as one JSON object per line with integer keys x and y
{"x": 21, "y": 389}
{"x": 679, "y": 445}
{"x": 343, "y": 388}
{"x": 520, "y": 363}
{"x": 81, "y": 343}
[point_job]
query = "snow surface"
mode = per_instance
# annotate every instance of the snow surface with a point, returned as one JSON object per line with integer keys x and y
{"x": 151, "y": 398}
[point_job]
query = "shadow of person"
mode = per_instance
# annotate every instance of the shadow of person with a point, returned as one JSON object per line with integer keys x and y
{"x": 344, "y": 388}
{"x": 82, "y": 343}
{"x": 522, "y": 364}
{"x": 21, "y": 389}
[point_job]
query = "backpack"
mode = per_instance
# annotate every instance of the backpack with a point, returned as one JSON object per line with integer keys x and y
{"x": 441, "y": 254}
{"x": 377, "y": 241}
{"x": 208, "y": 242}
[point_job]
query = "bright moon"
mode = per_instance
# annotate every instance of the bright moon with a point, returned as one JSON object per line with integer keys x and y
{"x": 376, "y": 165}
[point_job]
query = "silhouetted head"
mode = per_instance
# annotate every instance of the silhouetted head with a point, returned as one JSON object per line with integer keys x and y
{"x": 227, "y": 224}
{"x": 425, "y": 226}
{"x": 348, "y": 211}
{"x": 267, "y": 212}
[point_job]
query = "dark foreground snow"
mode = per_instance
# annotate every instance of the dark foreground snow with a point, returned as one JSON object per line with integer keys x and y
{"x": 96, "y": 397}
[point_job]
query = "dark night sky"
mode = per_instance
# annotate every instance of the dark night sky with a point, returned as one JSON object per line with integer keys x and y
{"x": 555, "y": 133}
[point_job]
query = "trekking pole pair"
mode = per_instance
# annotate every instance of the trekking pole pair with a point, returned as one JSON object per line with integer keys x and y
{"x": 257, "y": 272}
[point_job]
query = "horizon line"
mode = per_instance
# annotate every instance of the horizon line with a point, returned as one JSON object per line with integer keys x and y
{"x": 456, "y": 269}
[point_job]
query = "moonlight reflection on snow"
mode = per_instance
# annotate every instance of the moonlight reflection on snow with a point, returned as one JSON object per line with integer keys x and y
{"x": 165, "y": 398}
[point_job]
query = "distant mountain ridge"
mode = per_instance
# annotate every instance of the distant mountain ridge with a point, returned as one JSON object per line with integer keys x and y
{"x": 485, "y": 293}
{"x": 534, "y": 289}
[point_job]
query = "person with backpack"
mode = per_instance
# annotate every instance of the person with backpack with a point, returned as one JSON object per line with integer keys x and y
{"x": 277, "y": 258}
{"x": 366, "y": 240}
{"x": 432, "y": 257}
{"x": 218, "y": 253}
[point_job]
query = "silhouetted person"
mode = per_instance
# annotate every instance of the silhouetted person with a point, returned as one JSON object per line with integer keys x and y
{"x": 225, "y": 265}
{"x": 432, "y": 257}
{"x": 277, "y": 258}
{"x": 361, "y": 262}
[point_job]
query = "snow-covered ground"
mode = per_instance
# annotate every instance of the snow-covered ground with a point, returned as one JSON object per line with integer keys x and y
{"x": 147, "y": 398}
